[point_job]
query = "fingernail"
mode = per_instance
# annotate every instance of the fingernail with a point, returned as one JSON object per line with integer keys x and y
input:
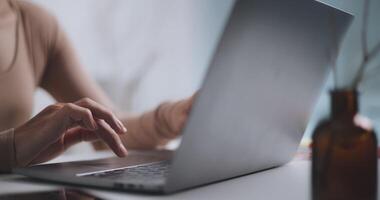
{"x": 124, "y": 150}
{"x": 122, "y": 127}
{"x": 94, "y": 126}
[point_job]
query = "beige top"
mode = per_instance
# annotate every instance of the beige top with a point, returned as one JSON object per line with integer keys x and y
{"x": 44, "y": 59}
{"x": 7, "y": 157}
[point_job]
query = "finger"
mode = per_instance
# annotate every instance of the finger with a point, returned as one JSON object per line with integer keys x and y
{"x": 79, "y": 116}
{"x": 109, "y": 136}
{"x": 77, "y": 135}
{"x": 191, "y": 101}
{"x": 187, "y": 106}
{"x": 182, "y": 107}
{"x": 101, "y": 112}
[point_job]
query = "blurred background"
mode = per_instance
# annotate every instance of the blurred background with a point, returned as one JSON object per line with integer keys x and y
{"x": 145, "y": 51}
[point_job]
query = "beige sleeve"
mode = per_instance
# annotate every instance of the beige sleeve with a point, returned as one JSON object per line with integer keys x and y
{"x": 7, "y": 151}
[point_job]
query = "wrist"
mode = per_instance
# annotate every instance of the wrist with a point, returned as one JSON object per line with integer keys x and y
{"x": 7, "y": 151}
{"x": 26, "y": 148}
{"x": 161, "y": 122}
{"x": 22, "y": 148}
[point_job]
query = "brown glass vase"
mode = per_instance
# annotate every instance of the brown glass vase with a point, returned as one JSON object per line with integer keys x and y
{"x": 344, "y": 153}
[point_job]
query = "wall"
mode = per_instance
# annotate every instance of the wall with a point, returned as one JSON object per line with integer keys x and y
{"x": 146, "y": 51}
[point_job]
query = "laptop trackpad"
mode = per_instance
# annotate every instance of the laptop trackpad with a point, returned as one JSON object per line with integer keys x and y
{"x": 89, "y": 166}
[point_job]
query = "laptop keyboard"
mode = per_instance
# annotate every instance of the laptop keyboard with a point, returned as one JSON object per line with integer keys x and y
{"x": 157, "y": 170}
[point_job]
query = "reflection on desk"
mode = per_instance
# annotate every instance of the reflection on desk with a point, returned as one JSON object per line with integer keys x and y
{"x": 62, "y": 194}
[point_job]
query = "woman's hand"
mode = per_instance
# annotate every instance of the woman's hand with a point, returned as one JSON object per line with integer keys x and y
{"x": 172, "y": 116}
{"x": 62, "y": 125}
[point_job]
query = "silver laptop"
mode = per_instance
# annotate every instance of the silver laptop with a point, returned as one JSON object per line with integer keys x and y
{"x": 252, "y": 109}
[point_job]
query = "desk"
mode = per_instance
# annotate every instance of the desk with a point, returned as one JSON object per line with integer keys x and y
{"x": 291, "y": 182}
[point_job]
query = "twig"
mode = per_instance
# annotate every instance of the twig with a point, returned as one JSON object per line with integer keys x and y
{"x": 374, "y": 52}
{"x": 365, "y": 28}
{"x": 335, "y": 49}
{"x": 367, "y": 55}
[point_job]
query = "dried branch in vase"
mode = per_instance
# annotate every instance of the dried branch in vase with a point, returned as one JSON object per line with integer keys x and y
{"x": 368, "y": 55}
{"x": 334, "y": 49}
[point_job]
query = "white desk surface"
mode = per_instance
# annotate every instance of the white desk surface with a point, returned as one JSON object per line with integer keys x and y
{"x": 288, "y": 182}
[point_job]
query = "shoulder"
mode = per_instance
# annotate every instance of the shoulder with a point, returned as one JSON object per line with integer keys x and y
{"x": 38, "y": 18}
{"x": 41, "y": 30}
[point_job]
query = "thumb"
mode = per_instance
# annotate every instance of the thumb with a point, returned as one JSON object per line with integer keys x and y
{"x": 190, "y": 102}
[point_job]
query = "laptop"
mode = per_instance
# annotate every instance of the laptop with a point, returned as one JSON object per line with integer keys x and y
{"x": 265, "y": 77}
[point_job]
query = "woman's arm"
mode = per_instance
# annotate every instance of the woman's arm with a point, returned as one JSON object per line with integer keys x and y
{"x": 155, "y": 128}
{"x": 65, "y": 79}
